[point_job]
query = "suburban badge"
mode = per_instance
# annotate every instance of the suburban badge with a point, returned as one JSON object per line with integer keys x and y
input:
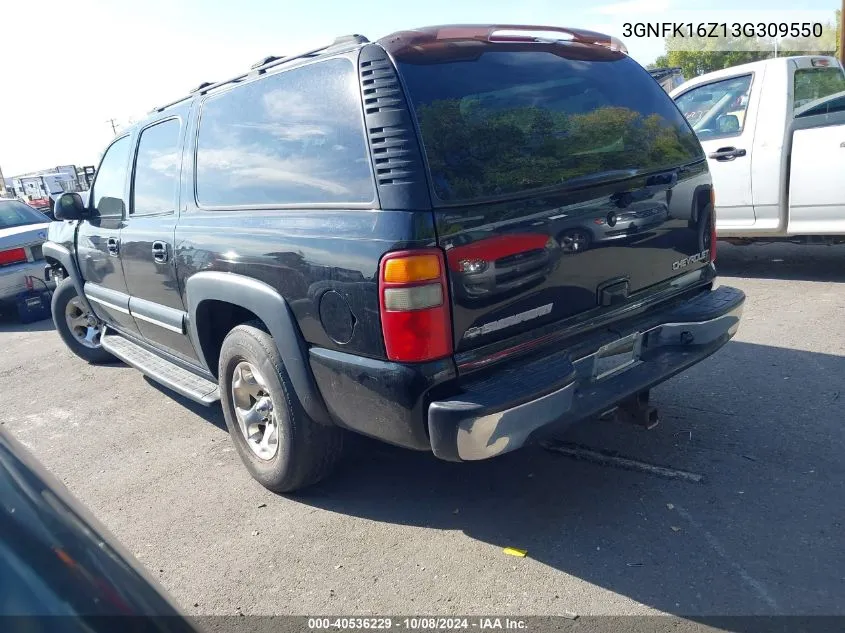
{"x": 508, "y": 321}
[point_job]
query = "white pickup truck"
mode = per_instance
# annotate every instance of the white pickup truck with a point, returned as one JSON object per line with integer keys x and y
{"x": 774, "y": 135}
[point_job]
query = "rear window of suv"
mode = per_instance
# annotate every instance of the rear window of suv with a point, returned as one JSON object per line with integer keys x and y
{"x": 513, "y": 121}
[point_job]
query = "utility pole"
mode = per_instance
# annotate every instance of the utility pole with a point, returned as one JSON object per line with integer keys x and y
{"x": 842, "y": 33}
{"x": 114, "y": 127}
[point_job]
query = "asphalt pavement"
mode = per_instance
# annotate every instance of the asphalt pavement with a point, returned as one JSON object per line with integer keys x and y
{"x": 396, "y": 532}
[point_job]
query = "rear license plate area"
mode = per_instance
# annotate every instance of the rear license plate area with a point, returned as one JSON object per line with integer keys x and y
{"x": 617, "y": 356}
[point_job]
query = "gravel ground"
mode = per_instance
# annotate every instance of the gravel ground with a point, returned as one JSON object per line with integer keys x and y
{"x": 396, "y": 532}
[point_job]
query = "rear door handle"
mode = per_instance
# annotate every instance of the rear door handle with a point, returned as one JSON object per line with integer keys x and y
{"x": 113, "y": 246}
{"x": 160, "y": 252}
{"x": 726, "y": 153}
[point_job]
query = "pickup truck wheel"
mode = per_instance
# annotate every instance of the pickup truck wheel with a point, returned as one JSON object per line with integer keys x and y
{"x": 77, "y": 325}
{"x": 280, "y": 445}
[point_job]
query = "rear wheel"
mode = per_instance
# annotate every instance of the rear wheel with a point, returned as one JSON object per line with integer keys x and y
{"x": 280, "y": 445}
{"x": 79, "y": 328}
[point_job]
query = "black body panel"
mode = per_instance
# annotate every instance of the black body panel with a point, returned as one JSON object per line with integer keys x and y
{"x": 394, "y": 149}
{"x": 566, "y": 286}
{"x": 302, "y": 255}
{"x": 377, "y": 398}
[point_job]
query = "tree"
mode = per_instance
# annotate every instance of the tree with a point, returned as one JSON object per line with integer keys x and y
{"x": 475, "y": 151}
{"x": 705, "y": 60}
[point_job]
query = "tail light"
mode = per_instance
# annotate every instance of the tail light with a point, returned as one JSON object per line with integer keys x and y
{"x": 414, "y": 306}
{"x": 712, "y": 224}
{"x": 12, "y": 256}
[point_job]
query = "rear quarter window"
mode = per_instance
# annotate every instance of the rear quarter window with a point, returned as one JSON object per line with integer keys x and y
{"x": 513, "y": 121}
{"x": 296, "y": 137}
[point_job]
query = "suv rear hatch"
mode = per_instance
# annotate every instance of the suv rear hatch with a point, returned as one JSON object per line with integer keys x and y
{"x": 565, "y": 182}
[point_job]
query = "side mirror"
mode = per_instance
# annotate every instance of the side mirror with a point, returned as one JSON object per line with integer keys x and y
{"x": 728, "y": 124}
{"x": 70, "y": 206}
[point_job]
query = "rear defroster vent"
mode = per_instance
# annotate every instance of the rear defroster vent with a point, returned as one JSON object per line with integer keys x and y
{"x": 394, "y": 149}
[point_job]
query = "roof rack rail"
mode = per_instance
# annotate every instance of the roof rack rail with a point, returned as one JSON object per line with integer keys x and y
{"x": 265, "y": 60}
{"x": 265, "y": 64}
{"x": 350, "y": 39}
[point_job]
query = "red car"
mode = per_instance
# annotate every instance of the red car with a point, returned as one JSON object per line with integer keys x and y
{"x": 40, "y": 203}
{"x": 486, "y": 266}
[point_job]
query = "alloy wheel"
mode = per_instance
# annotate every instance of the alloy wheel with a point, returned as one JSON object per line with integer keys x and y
{"x": 254, "y": 411}
{"x": 83, "y": 325}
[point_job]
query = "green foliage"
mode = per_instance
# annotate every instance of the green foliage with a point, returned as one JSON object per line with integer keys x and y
{"x": 699, "y": 62}
{"x": 475, "y": 151}
{"x": 815, "y": 83}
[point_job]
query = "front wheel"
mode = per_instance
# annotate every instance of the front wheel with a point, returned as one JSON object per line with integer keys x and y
{"x": 574, "y": 241}
{"x": 283, "y": 449}
{"x": 78, "y": 327}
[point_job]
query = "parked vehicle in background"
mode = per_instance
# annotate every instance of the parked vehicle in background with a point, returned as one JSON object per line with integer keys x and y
{"x": 632, "y": 219}
{"x": 774, "y": 134}
{"x": 41, "y": 204}
{"x": 364, "y": 238}
{"x": 492, "y": 263}
{"x": 23, "y": 230}
{"x": 56, "y": 560}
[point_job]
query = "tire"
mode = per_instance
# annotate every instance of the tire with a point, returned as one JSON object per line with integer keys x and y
{"x": 575, "y": 240}
{"x": 64, "y": 304}
{"x": 305, "y": 451}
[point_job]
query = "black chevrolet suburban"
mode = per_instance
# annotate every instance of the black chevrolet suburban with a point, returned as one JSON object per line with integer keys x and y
{"x": 377, "y": 237}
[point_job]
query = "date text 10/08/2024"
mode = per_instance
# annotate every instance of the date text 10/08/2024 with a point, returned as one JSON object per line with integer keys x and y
{"x": 418, "y": 623}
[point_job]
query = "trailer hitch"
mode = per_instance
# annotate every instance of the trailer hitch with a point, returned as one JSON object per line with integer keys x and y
{"x": 635, "y": 410}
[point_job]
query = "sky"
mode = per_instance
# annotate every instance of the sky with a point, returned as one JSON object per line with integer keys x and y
{"x": 69, "y": 66}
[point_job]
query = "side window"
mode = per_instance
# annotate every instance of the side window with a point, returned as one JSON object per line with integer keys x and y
{"x": 156, "y": 169}
{"x": 717, "y": 109}
{"x": 108, "y": 190}
{"x": 296, "y": 137}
